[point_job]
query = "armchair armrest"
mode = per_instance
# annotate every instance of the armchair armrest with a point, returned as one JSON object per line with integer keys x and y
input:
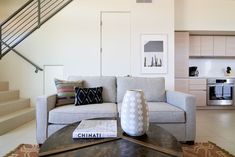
{"x": 186, "y": 102}
{"x": 43, "y": 105}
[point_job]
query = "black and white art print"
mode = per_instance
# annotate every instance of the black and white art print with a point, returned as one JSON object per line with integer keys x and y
{"x": 154, "y": 53}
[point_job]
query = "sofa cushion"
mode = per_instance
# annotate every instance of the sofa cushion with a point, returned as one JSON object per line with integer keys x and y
{"x": 161, "y": 112}
{"x": 153, "y": 88}
{"x": 66, "y": 91}
{"x": 107, "y": 82}
{"x": 70, "y": 113}
{"x": 85, "y": 96}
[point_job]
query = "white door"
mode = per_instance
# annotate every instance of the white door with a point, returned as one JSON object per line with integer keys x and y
{"x": 115, "y": 44}
{"x": 50, "y": 73}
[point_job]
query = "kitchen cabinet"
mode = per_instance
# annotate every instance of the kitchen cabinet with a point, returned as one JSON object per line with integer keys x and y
{"x": 200, "y": 97}
{"x": 212, "y": 46}
{"x": 197, "y": 81}
{"x": 182, "y": 85}
{"x": 197, "y": 87}
{"x": 201, "y": 46}
{"x": 230, "y": 46}
{"x": 181, "y": 54}
{"x": 219, "y": 45}
{"x": 195, "y": 46}
{"x": 207, "y": 46}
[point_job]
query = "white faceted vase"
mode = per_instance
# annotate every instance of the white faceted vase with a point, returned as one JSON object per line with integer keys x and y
{"x": 134, "y": 113}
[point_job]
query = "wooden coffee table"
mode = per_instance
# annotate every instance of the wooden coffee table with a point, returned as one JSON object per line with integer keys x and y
{"x": 157, "y": 142}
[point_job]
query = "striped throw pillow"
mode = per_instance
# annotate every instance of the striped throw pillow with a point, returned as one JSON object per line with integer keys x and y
{"x": 66, "y": 91}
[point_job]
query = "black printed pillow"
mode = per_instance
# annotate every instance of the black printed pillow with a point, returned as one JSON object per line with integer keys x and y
{"x": 85, "y": 96}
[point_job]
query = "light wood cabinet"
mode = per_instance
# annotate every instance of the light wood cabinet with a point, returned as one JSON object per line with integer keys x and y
{"x": 207, "y": 46}
{"x": 230, "y": 46}
{"x": 197, "y": 87}
{"x": 200, "y": 97}
{"x": 197, "y": 81}
{"x": 219, "y": 45}
{"x": 181, "y": 54}
{"x": 182, "y": 85}
{"x": 195, "y": 46}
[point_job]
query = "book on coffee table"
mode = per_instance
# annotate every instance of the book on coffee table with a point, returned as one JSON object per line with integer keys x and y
{"x": 96, "y": 129}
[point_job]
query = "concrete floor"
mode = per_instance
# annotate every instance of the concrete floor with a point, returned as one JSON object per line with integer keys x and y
{"x": 24, "y": 134}
{"x": 217, "y": 126}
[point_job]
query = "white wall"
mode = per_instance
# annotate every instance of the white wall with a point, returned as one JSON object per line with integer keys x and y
{"x": 213, "y": 67}
{"x": 209, "y": 15}
{"x": 72, "y": 39}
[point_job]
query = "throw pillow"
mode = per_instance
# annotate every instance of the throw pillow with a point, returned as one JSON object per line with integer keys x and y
{"x": 88, "y": 95}
{"x": 65, "y": 91}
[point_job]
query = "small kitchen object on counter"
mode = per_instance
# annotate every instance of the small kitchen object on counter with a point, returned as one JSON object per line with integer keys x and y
{"x": 193, "y": 71}
{"x": 228, "y": 71}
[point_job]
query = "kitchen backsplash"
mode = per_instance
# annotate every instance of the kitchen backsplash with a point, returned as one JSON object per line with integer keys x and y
{"x": 212, "y": 67}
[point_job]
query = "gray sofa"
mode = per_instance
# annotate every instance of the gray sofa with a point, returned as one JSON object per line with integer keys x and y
{"x": 174, "y": 111}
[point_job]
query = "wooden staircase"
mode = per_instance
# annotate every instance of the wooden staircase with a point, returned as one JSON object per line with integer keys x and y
{"x": 14, "y": 111}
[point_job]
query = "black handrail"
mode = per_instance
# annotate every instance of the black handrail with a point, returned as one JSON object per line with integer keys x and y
{"x": 25, "y": 36}
{"x": 10, "y": 21}
{"x": 16, "y": 12}
{"x": 22, "y": 56}
{"x": 19, "y": 27}
{"x": 39, "y": 13}
{"x": 12, "y": 41}
{"x": 56, "y": 12}
{"x": 15, "y": 25}
{"x": 24, "y": 22}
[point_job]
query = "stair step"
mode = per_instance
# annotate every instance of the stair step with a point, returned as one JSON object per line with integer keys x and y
{"x": 4, "y": 86}
{"x": 13, "y": 106}
{"x": 9, "y": 95}
{"x": 11, "y": 121}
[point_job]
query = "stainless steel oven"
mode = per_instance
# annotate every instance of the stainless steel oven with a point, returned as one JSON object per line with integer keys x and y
{"x": 220, "y": 91}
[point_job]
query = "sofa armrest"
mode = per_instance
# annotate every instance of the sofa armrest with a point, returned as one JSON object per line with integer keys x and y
{"x": 43, "y": 105}
{"x": 186, "y": 102}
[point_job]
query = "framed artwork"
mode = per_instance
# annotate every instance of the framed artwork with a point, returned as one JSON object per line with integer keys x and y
{"x": 154, "y": 53}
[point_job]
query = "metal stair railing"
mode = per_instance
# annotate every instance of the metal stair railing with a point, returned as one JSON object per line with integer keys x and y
{"x": 22, "y": 56}
{"x": 25, "y": 21}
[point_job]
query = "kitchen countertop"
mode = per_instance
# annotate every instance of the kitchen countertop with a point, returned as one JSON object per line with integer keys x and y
{"x": 207, "y": 77}
{"x": 216, "y": 77}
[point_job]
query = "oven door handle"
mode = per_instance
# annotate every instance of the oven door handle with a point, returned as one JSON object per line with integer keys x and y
{"x": 221, "y": 84}
{"x": 229, "y": 85}
{"x": 214, "y": 85}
